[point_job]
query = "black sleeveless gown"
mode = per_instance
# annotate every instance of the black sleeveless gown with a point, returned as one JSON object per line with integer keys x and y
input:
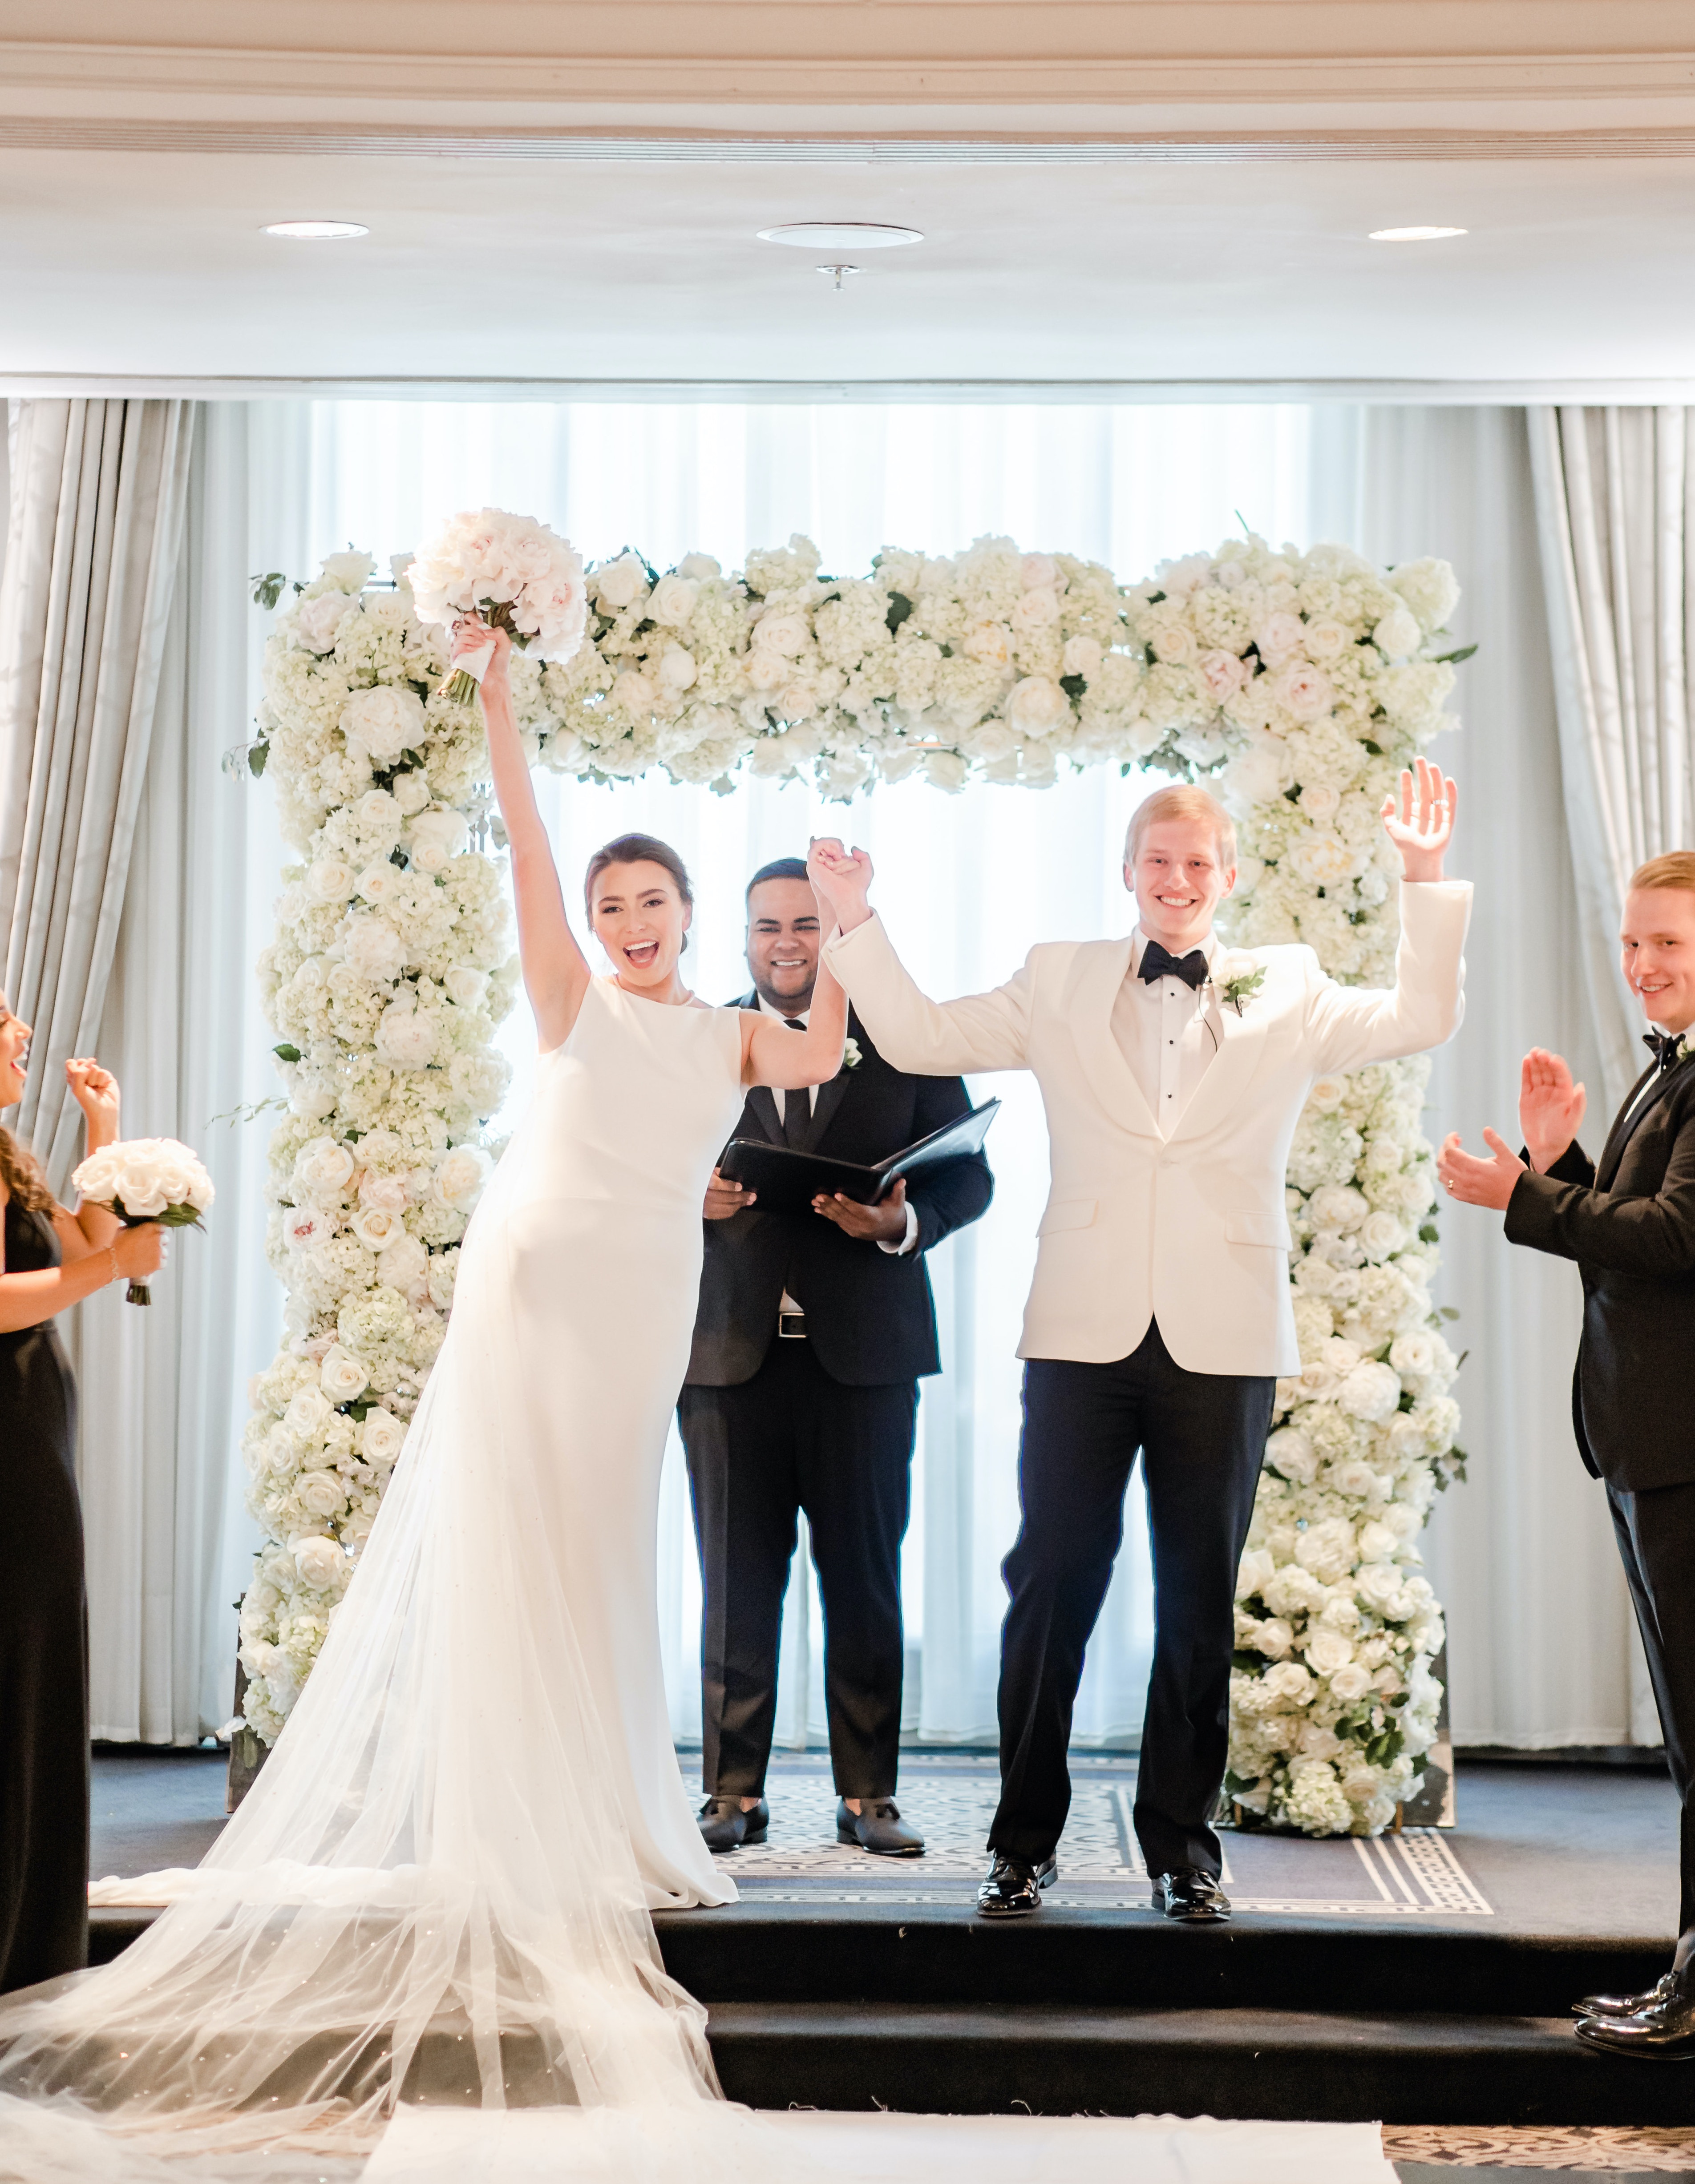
{"x": 43, "y": 1645}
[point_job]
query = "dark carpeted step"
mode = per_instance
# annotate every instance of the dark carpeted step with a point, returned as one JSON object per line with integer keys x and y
{"x": 788, "y": 1953}
{"x": 1339, "y": 2067}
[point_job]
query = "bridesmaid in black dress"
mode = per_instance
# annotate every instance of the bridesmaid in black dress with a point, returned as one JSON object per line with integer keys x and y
{"x": 52, "y": 1259}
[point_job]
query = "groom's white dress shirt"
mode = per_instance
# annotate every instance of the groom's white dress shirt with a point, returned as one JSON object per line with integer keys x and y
{"x": 1186, "y": 1224}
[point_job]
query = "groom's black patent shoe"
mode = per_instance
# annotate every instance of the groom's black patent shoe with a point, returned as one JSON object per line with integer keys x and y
{"x": 1662, "y": 2031}
{"x": 1014, "y": 1887}
{"x": 1191, "y": 1895}
{"x": 725, "y": 1826}
{"x": 877, "y": 1827}
{"x": 1627, "y": 2005}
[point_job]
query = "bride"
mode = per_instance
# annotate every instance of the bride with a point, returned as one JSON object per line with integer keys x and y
{"x": 437, "y": 1891}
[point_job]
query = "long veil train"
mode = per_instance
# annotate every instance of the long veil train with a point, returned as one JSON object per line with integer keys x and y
{"x": 429, "y": 1894}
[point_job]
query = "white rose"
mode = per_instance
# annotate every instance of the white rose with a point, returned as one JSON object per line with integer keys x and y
{"x": 635, "y": 692}
{"x": 318, "y": 621}
{"x": 1230, "y": 964}
{"x": 1304, "y": 690}
{"x": 1036, "y": 610}
{"x": 620, "y": 581}
{"x": 673, "y": 600}
{"x": 1377, "y": 1543}
{"x": 436, "y": 837}
{"x": 1273, "y": 1637}
{"x": 783, "y": 632}
{"x": 1223, "y": 673}
{"x": 383, "y": 721}
{"x": 322, "y": 1493}
{"x": 1290, "y": 1683}
{"x": 307, "y": 1413}
{"x": 329, "y": 879}
{"x": 1382, "y": 1588}
{"x": 352, "y": 571}
{"x": 412, "y": 791}
{"x": 1429, "y": 587}
{"x": 400, "y": 568}
{"x": 377, "y": 882}
{"x": 1174, "y": 643}
{"x": 1037, "y": 706}
{"x": 1254, "y": 1572}
{"x": 303, "y": 1226}
{"x": 405, "y": 1036}
{"x": 323, "y": 1169}
{"x": 1327, "y": 1650}
{"x": 1082, "y": 656}
{"x": 699, "y": 567}
{"x": 1320, "y": 801}
{"x": 1380, "y": 1236}
{"x": 1322, "y": 859}
{"x": 404, "y": 1265}
{"x": 321, "y": 1562}
{"x": 1326, "y": 640}
{"x": 1371, "y": 1391}
{"x": 1349, "y": 1683}
{"x": 1337, "y": 1205}
{"x": 989, "y": 641}
{"x": 1414, "y": 1352}
{"x": 1397, "y": 635}
{"x": 1038, "y": 572}
{"x": 1289, "y": 1451}
{"x": 382, "y": 1437}
{"x": 1260, "y": 772}
{"x": 377, "y": 816}
{"x": 376, "y": 1226}
{"x": 458, "y": 1181}
{"x": 465, "y": 988}
{"x": 1278, "y": 636}
{"x": 677, "y": 668}
{"x": 373, "y": 950}
{"x": 1328, "y": 1093}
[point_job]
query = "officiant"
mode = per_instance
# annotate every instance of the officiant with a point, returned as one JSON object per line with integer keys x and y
{"x": 813, "y": 1332}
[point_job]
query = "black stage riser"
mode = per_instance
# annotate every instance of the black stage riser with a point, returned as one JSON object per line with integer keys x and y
{"x": 1340, "y": 2068}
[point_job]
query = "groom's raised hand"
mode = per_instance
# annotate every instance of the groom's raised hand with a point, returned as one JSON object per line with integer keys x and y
{"x": 1421, "y": 825}
{"x": 841, "y": 880}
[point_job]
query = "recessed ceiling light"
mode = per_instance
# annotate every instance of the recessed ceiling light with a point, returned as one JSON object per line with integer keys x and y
{"x": 841, "y": 235}
{"x": 316, "y": 231}
{"x": 1414, "y": 234}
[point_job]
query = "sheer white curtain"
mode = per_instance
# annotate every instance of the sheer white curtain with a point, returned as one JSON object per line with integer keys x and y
{"x": 967, "y": 883}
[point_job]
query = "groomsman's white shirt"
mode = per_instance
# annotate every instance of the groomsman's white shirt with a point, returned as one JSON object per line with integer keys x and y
{"x": 1186, "y": 1225}
{"x": 1167, "y": 1031}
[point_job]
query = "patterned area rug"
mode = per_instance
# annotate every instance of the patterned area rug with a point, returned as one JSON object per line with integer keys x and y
{"x": 1580, "y": 2146}
{"x": 951, "y": 1799}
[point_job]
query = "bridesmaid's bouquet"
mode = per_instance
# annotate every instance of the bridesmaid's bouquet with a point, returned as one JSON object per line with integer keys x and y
{"x": 147, "y": 1180}
{"x": 508, "y": 572}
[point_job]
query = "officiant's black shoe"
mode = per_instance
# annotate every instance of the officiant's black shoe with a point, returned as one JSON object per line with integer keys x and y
{"x": 1662, "y": 2030}
{"x": 1014, "y": 1887}
{"x": 725, "y": 1826}
{"x": 877, "y": 1827}
{"x": 1192, "y": 1895}
{"x": 1627, "y": 2005}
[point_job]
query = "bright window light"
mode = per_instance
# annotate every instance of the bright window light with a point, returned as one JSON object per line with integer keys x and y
{"x": 316, "y": 231}
{"x": 1414, "y": 234}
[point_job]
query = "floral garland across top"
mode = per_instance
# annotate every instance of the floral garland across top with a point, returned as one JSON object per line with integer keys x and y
{"x": 1302, "y": 683}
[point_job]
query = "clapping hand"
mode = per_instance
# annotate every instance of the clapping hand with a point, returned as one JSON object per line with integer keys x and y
{"x": 1476, "y": 1182}
{"x": 95, "y": 1091}
{"x": 1550, "y": 1107}
{"x": 841, "y": 880}
{"x": 1422, "y": 826}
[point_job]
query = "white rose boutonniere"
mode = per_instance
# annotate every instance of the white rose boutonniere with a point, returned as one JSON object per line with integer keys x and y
{"x": 1236, "y": 977}
{"x": 851, "y": 1057}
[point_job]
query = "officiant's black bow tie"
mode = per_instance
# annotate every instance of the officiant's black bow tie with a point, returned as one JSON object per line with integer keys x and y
{"x": 1158, "y": 962}
{"x": 1663, "y": 1046}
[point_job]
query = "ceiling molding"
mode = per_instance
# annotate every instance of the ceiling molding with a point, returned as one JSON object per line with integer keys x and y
{"x": 1513, "y": 393}
{"x": 363, "y": 139}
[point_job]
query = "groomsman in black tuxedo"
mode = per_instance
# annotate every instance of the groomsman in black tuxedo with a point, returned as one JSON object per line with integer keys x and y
{"x": 802, "y": 1393}
{"x": 1629, "y": 1222}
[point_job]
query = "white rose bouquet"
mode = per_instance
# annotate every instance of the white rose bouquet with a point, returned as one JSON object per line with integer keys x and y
{"x": 147, "y": 1180}
{"x": 508, "y": 572}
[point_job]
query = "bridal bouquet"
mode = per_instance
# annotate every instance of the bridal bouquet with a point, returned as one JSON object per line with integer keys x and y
{"x": 508, "y": 572}
{"x": 147, "y": 1180}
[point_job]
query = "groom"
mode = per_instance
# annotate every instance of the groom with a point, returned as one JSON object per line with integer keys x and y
{"x": 1172, "y": 1074}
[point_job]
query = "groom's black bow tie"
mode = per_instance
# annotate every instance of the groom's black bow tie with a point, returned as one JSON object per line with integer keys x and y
{"x": 1663, "y": 1046}
{"x": 1158, "y": 962}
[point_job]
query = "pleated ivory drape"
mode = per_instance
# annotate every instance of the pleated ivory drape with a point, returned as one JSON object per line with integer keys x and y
{"x": 1615, "y": 507}
{"x": 98, "y": 493}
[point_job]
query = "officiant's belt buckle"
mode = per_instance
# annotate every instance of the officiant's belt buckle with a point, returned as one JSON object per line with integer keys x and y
{"x": 791, "y": 1326}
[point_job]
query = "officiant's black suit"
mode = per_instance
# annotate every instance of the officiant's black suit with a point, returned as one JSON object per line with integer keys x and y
{"x": 772, "y": 1425}
{"x": 1629, "y": 1224}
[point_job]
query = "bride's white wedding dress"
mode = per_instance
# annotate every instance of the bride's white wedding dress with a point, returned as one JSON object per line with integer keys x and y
{"x": 433, "y": 1904}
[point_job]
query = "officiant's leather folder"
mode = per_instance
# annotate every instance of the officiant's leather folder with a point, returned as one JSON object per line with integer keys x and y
{"x": 785, "y": 1181}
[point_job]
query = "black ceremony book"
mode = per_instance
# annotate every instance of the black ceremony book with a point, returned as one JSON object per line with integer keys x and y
{"x": 785, "y": 1181}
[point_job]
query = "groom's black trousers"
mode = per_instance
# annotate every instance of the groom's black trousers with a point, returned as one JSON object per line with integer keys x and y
{"x": 791, "y": 1437}
{"x": 1203, "y": 1439}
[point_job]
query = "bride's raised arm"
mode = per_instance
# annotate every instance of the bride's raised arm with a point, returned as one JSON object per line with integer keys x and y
{"x": 556, "y": 972}
{"x": 773, "y": 1055}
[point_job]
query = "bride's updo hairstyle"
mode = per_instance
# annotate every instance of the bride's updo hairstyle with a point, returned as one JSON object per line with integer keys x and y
{"x": 636, "y": 850}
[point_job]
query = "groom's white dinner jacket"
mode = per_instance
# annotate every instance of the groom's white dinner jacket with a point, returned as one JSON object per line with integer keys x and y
{"x": 1189, "y": 1229}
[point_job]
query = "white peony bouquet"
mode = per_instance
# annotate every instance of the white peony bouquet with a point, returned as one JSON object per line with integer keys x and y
{"x": 147, "y": 1180}
{"x": 508, "y": 572}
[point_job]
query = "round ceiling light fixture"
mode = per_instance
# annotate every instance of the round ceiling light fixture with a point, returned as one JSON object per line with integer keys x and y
{"x": 1414, "y": 234}
{"x": 316, "y": 231}
{"x": 841, "y": 235}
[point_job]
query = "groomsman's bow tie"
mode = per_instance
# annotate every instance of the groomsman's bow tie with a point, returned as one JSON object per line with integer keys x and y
{"x": 1664, "y": 1046}
{"x": 1158, "y": 962}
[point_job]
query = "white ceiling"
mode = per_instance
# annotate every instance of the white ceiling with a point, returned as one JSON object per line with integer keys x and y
{"x": 1238, "y": 256}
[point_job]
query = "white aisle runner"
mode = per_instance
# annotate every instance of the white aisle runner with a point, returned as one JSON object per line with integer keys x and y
{"x": 571, "y": 2146}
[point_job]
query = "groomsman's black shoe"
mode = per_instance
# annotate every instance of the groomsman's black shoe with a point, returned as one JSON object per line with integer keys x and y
{"x": 1192, "y": 1895}
{"x": 725, "y": 1826}
{"x": 877, "y": 1827}
{"x": 1014, "y": 1887}
{"x": 1662, "y": 2031}
{"x": 1627, "y": 2005}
